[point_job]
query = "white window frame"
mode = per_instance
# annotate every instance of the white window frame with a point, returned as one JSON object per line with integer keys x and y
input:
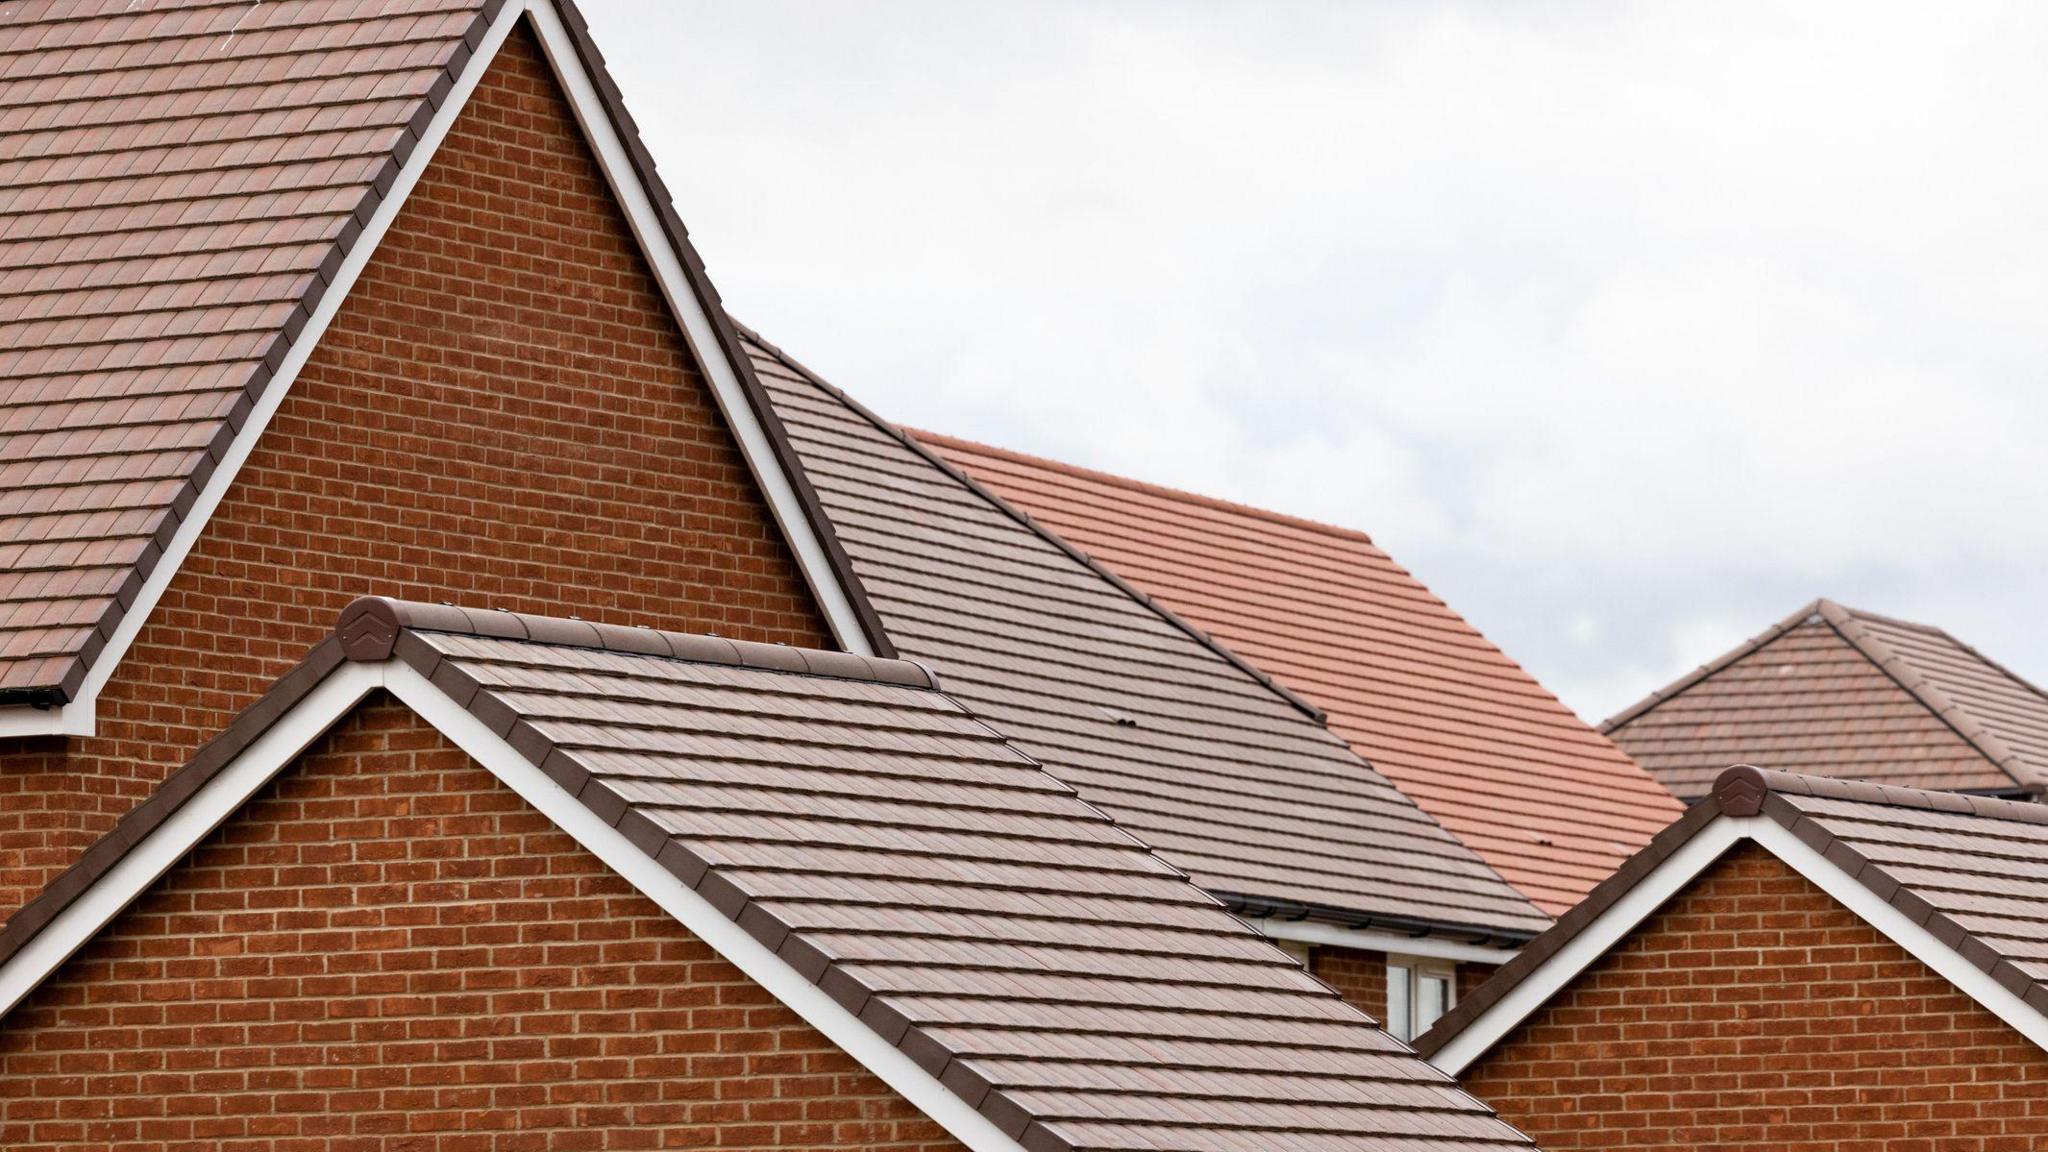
{"x": 1407, "y": 973}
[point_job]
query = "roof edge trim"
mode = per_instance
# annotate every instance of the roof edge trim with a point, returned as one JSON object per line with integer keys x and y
{"x": 270, "y": 736}
{"x": 1745, "y": 806}
{"x": 1024, "y": 518}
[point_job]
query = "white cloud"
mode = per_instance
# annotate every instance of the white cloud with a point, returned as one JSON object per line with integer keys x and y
{"x": 1629, "y": 327}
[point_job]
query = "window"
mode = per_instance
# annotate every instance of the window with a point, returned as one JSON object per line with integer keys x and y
{"x": 1418, "y": 992}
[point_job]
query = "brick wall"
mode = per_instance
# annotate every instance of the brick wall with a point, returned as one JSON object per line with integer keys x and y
{"x": 1359, "y": 977}
{"x": 502, "y": 413}
{"x": 389, "y": 951}
{"x": 1755, "y": 1012}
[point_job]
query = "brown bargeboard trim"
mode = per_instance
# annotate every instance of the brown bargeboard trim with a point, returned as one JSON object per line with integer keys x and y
{"x": 1744, "y": 791}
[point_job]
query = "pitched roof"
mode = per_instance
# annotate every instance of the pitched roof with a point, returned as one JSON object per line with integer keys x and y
{"x": 1551, "y": 804}
{"x": 1226, "y": 775}
{"x": 188, "y": 187}
{"x": 1834, "y": 691}
{"x": 1960, "y": 881}
{"x": 892, "y": 851}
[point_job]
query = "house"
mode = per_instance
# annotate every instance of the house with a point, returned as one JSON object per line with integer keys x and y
{"x": 322, "y": 300}
{"x": 471, "y": 878}
{"x": 1455, "y": 724}
{"x": 325, "y": 298}
{"x": 1800, "y": 962}
{"x": 1833, "y": 691}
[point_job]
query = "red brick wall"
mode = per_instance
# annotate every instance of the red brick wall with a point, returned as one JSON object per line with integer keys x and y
{"x": 503, "y": 413}
{"x": 1755, "y": 1012}
{"x": 1359, "y": 977}
{"x": 389, "y": 951}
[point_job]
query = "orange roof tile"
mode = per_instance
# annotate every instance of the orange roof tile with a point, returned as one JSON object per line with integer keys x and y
{"x": 1463, "y": 730}
{"x": 1833, "y": 691}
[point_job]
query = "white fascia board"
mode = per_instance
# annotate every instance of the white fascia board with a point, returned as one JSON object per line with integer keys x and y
{"x": 698, "y": 330}
{"x": 1668, "y": 878}
{"x": 1329, "y": 935}
{"x": 291, "y": 734}
{"x": 79, "y": 716}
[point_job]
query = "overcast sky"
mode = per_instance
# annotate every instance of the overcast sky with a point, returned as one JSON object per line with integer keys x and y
{"x": 1628, "y": 328}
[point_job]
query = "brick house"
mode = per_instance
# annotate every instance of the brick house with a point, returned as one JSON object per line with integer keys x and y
{"x": 1834, "y": 691}
{"x": 324, "y": 298}
{"x": 319, "y": 300}
{"x": 479, "y": 879}
{"x": 1799, "y": 963}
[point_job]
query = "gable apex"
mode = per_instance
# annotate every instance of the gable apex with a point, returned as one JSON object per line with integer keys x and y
{"x": 187, "y": 410}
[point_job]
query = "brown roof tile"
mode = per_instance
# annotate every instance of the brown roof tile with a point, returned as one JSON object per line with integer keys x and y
{"x": 1456, "y": 725}
{"x": 922, "y": 871}
{"x": 174, "y": 178}
{"x": 1224, "y": 773}
{"x": 1836, "y": 692}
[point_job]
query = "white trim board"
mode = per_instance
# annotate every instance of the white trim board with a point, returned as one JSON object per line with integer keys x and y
{"x": 280, "y": 746}
{"x": 79, "y": 716}
{"x": 1329, "y": 935}
{"x": 1673, "y": 875}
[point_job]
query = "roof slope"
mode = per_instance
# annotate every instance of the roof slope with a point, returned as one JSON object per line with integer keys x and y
{"x": 1146, "y": 718}
{"x": 1836, "y": 692}
{"x": 181, "y": 183}
{"x": 174, "y": 180}
{"x": 1971, "y": 872}
{"x": 1463, "y": 730}
{"x": 899, "y": 854}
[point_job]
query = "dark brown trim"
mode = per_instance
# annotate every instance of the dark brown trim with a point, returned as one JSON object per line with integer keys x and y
{"x": 1024, "y": 518}
{"x": 728, "y": 337}
{"x": 1745, "y": 791}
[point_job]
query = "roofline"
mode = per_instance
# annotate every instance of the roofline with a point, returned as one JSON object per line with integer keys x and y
{"x": 1847, "y": 623}
{"x": 1660, "y": 695}
{"x": 1024, "y": 518}
{"x": 272, "y": 734}
{"x": 1850, "y": 625}
{"x": 1275, "y": 911}
{"x": 69, "y": 707}
{"x": 1748, "y": 805}
{"x": 1163, "y": 491}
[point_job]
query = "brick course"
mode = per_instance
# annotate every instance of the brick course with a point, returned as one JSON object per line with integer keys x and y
{"x": 1754, "y": 1011}
{"x": 503, "y": 412}
{"x": 389, "y": 950}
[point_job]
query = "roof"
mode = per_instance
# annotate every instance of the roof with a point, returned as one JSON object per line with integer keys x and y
{"x": 1551, "y": 804}
{"x": 1225, "y": 774}
{"x": 853, "y": 828}
{"x": 188, "y": 188}
{"x": 1834, "y": 691}
{"x": 1960, "y": 881}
